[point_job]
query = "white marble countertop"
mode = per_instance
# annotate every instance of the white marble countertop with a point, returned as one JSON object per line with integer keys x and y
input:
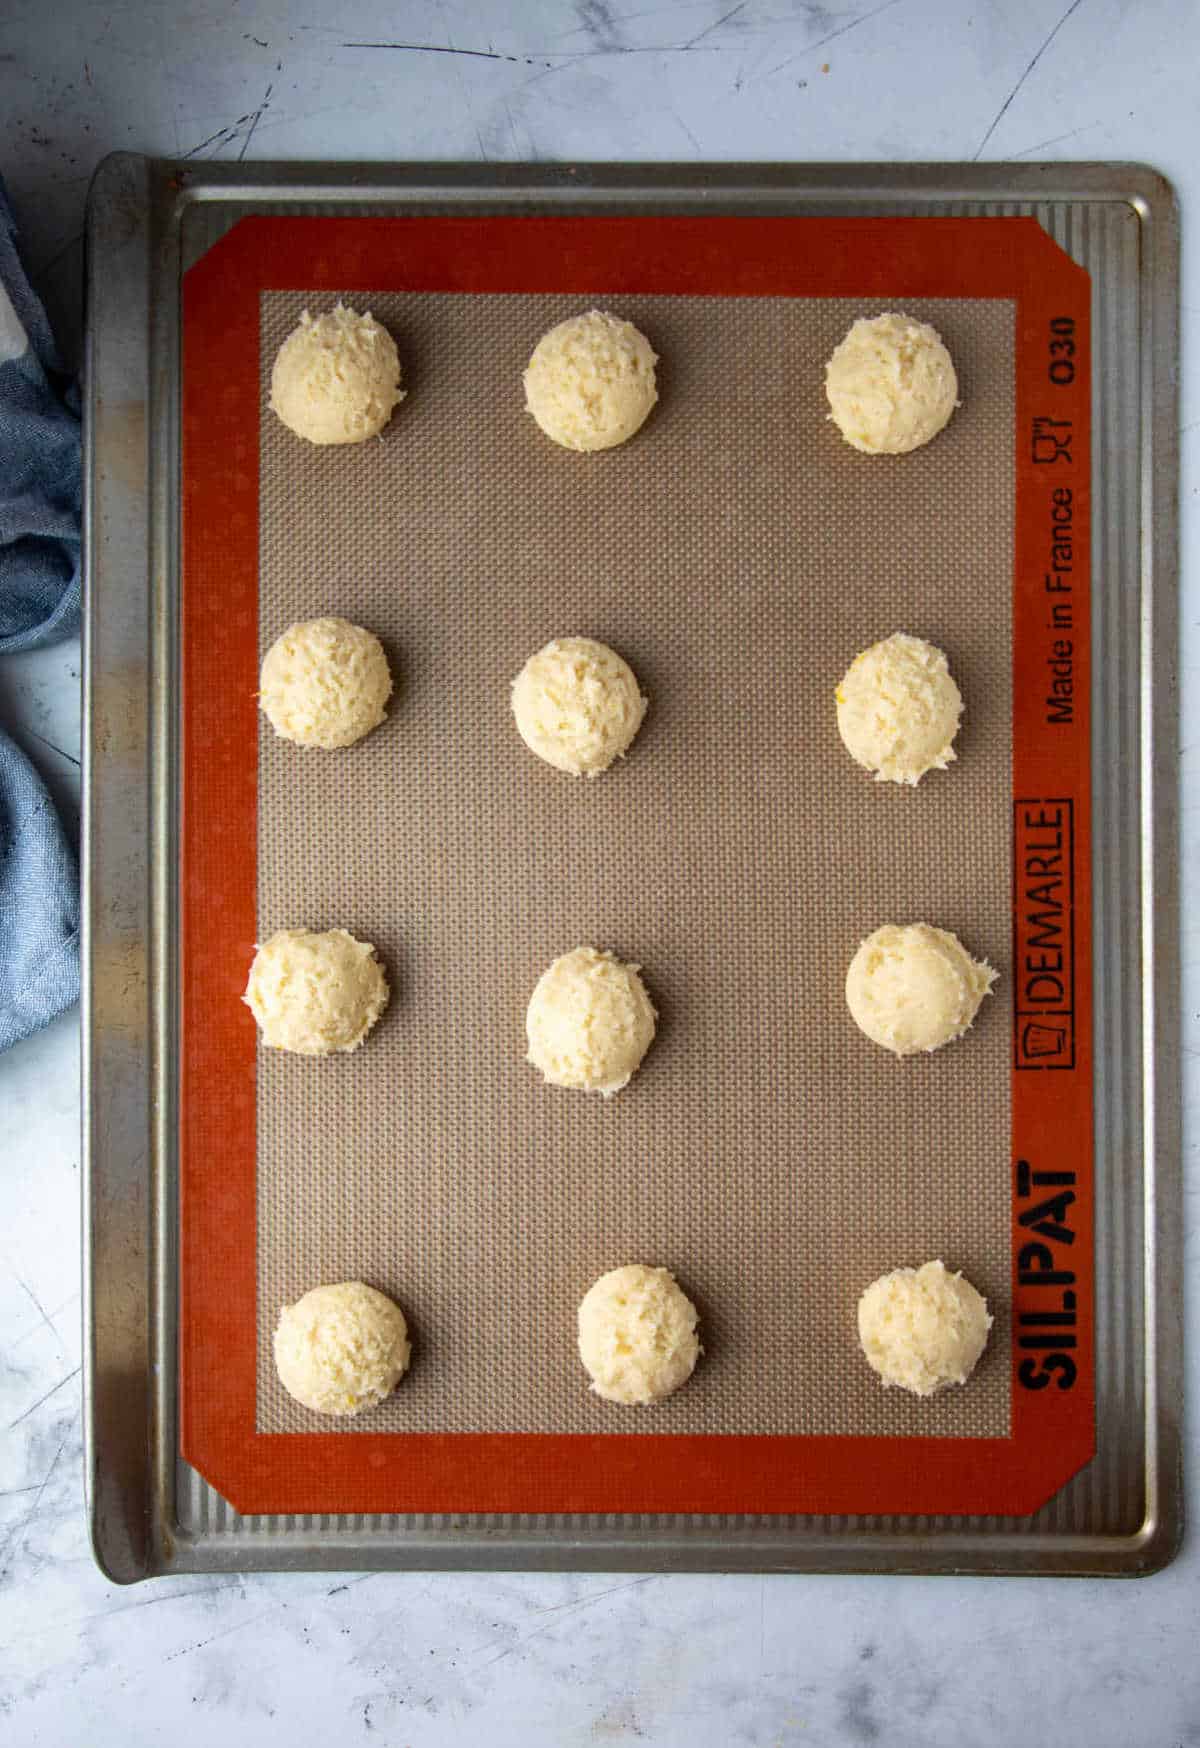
{"x": 531, "y": 1660}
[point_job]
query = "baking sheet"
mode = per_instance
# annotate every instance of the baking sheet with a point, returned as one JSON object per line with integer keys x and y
{"x": 1118, "y": 1515}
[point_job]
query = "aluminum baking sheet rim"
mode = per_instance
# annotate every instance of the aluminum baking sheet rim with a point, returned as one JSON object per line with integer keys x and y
{"x": 138, "y": 1490}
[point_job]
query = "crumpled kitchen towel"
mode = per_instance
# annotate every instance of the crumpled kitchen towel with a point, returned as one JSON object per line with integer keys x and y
{"x": 41, "y": 468}
{"x": 40, "y": 504}
{"x": 39, "y": 903}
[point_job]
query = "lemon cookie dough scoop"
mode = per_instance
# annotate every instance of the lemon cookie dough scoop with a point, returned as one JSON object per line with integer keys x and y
{"x": 589, "y": 1022}
{"x": 590, "y": 383}
{"x": 342, "y": 1348}
{"x": 913, "y": 987}
{"x": 336, "y": 378}
{"x": 898, "y": 709}
{"x": 324, "y": 683}
{"x": 577, "y": 705}
{"x": 923, "y": 1329}
{"x": 637, "y": 1335}
{"x": 891, "y": 384}
{"x": 314, "y": 994}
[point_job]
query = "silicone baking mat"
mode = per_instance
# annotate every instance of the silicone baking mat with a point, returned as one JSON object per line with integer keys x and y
{"x": 738, "y": 554}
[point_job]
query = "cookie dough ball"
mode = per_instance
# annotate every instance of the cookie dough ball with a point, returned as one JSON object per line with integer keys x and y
{"x": 336, "y": 378}
{"x": 589, "y": 1021}
{"x": 891, "y": 385}
{"x": 314, "y": 994}
{"x": 577, "y": 705}
{"x": 923, "y": 1329}
{"x": 342, "y": 1348}
{"x": 637, "y": 1334}
{"x": 324, "y": 683}
{"x": 915, "y": 987}
{"x": 898, "y": 709}
{"x": 590, "y": 382}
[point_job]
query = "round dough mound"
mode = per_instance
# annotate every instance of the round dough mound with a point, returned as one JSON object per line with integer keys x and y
{"x": 336, "y": 378}
{"x": 589, "y": 1022}
{"x": 891, "y": 385}
{"x": 898, "y": 709}
{"x": 637, "y": 1334}
{"x": 342, "y": 1348}
{"x": 915, "y": 987}
{"x": 590, "y": 381}
{"x": 923, "y": 1329}
{"x": 324, "y": 683}
{"x": 577, "y": 705}
{"x": 314, "y": 994}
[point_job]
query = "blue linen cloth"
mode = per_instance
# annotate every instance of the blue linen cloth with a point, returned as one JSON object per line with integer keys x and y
{"x": 40, "y": 504}
{"x": 39, "y": 903}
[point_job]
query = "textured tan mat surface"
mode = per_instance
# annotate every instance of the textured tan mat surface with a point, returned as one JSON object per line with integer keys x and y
{"x": 738, "y": 554}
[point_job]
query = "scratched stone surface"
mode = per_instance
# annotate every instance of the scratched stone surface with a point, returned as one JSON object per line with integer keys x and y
{"x": 547, "y": 1661}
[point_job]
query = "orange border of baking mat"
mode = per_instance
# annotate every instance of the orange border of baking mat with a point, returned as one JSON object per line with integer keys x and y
{"x": 883, "y": 261}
